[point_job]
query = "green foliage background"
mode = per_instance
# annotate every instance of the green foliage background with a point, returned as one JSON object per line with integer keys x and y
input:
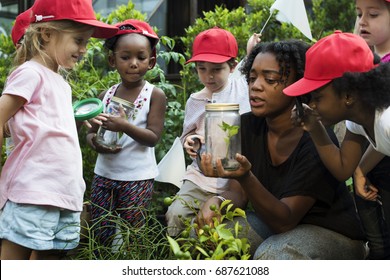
{"x": 93, "y": 75}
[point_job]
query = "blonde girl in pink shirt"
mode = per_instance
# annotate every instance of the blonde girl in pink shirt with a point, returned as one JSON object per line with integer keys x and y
{"x": 41, "y": 183}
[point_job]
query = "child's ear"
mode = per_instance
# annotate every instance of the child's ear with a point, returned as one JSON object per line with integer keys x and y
{"x": 349, "y": 99}
{"x": 232, "y": 65}
{"x": 111, "y": 60}
{"x": 46, "y": 34}
{"x": 152, "y": 62}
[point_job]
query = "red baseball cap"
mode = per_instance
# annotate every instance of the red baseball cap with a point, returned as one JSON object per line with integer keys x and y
{"x": 330, "y": 58}
{"x": 21, "y": 23}
{"x": 140, "y": 27}
{"x": 137, "y": 26}
{"x": 76, "y": 10}
{"x": 214, "y": 45}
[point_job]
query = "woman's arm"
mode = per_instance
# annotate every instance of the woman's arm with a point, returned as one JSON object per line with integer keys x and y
{"x": 280, "y": 215}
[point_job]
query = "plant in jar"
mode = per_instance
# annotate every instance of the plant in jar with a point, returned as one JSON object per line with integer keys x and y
{"x": 230, "y": 130}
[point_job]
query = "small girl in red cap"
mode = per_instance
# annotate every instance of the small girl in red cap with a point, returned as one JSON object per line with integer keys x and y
{"x": 41, "y": 183}
{"x": 124, "y": 175}
{"x": 347, "y": 83}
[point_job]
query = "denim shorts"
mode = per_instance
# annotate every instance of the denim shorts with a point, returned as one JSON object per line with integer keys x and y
{"x": 40, "y": 227}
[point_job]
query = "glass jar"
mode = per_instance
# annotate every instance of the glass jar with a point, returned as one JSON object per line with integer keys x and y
{"x": 222, "y": 133}
{"x": 108, "y": 138}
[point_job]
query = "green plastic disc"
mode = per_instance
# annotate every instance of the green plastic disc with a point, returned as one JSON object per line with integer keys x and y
{"x": 87, "y": 109}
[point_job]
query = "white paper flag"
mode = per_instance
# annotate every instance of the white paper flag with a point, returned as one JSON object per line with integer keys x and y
{"x": 172, "y": 166}
{"x": 293, "y": 11}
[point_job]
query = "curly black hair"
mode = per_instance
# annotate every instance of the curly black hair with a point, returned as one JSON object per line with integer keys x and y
{"x": 372, "y": 88}
{"x": 290, "y": 54}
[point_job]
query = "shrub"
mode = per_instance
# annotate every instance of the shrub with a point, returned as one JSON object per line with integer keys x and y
{"x": 218, "y": 241}
{"x": 324, "y": 17}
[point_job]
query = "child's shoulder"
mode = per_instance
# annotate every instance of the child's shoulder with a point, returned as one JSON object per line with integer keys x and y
{"x": 28, "y": 70}
{"x": 155, "y": 90}
{"x": 201, "y": 94}
{"x": 29, "y": 66}
{"x": 158, "y": 95}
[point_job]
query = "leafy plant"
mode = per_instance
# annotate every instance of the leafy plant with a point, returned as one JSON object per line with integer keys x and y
{"x": 220, "y": 241}
{"x": 324, "y": 17}
{"x": 230, "y": 130}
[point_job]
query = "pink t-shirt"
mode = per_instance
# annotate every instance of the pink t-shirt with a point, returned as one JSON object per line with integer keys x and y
{"x": 386, "y": 58}
{"x": 45, "y": 167}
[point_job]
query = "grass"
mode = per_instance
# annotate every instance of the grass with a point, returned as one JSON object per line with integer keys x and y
{"x": 148, "y": 242}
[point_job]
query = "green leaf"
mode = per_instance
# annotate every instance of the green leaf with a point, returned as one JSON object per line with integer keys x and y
{"x": 233, "y": 130}
{"x": 223, "y": 232}
{"x": 202, "y": 251}
{"x": 203, "y": 238}
{"x": 174, "y": 245}
{"x": 238, "y": 212}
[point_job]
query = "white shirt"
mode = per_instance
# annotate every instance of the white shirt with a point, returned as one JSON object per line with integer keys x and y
{"x": 381, "y": 143}
{"x": 134, "y": 162}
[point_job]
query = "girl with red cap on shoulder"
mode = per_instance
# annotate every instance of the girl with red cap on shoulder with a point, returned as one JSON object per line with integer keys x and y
{"x": 41, "y": 183}
{"x": 124, "y": 175}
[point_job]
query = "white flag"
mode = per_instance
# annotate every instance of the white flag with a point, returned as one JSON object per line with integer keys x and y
{"x": 293, "y": 11}
{"x": 172, "y": 166}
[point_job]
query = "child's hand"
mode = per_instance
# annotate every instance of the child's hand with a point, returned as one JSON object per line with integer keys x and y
{"x": 205, "y": 215}
{"x": 99, "y": 119}
{"x": 253, "y": 41}
{"x": 89, "y": 123}
{"x": 86, "y": 123}
{"x": 103, "y": 149}
{"x": 364, "y": 188}
{"x": 193, "y": 144}
{"x": 122, "y": 112}
{"x": 308, "y": 121}
{"x": 114, "y": 123}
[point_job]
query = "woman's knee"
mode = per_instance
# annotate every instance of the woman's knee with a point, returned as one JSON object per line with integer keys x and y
{"x": 310, "y": 242}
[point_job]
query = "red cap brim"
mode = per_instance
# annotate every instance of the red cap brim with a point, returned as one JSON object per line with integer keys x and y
{"x": 102, "y": 30}
{"x": 213, "y": 58}
{"x": 304, "y": 86}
